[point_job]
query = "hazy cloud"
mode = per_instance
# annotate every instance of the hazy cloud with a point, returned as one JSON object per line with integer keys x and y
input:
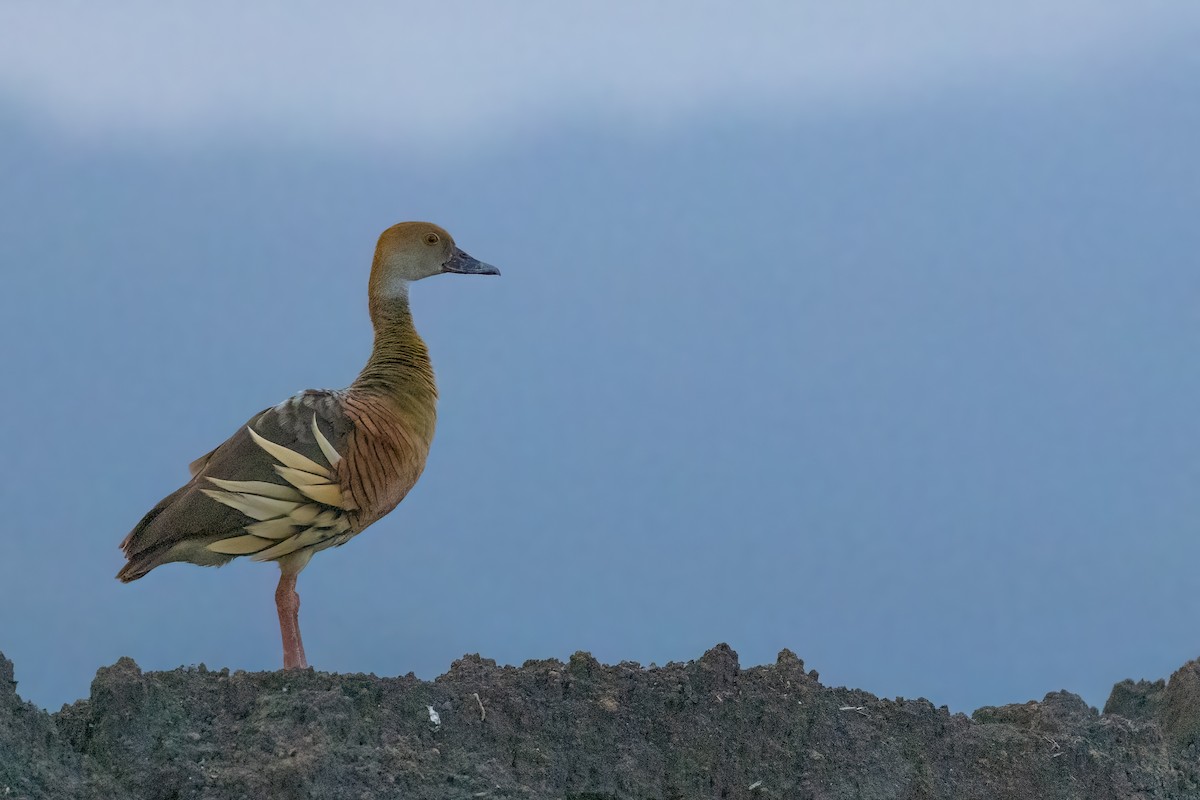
{"x": 465, "y": 73}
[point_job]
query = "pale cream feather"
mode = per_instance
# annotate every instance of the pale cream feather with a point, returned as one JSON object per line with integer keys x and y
{"x": 262, "y": 488}
{"x": 253, "y": 505}
{"x": 306, "y": 514}
{"x": 306, "y": 539}
{"x": 239, "y": 545}
{"x": 298, "y": 477}
{"x": 331, "y": 455}
{"x": 278, "y": 528}
{"x": 288, "y": 457}
{"x": 327, "y": 493}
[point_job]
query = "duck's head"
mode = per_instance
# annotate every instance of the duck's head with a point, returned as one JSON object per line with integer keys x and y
{"x": 410, "y": 251}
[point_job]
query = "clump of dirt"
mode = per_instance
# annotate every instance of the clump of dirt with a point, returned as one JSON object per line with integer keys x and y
{"x": 585, "y": 731}
{"x": 34, "y": 759}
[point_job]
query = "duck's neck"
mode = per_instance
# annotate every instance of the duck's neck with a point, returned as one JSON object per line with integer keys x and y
{"x": 399, "y": 370}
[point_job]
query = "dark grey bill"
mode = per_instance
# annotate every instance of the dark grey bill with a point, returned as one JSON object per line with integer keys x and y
{"x": 464, "y": 264}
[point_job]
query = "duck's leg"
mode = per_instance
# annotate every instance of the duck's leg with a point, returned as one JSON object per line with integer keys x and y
{"x": 288, "y": 603}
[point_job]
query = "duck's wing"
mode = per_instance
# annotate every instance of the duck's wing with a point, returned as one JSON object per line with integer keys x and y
{"x": 273, "y": 489}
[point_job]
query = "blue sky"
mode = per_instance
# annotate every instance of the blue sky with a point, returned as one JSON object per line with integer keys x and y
{"x": 863, "y": 333}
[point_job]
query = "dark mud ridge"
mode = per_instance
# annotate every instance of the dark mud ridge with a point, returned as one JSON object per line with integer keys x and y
{"x": 582, "y": 730}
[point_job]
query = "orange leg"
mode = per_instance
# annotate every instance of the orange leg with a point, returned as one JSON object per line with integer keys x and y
{"x": 288, "y": 603}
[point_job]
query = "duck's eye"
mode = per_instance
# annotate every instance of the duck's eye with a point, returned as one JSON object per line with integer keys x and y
{"x": 432, "y": 238}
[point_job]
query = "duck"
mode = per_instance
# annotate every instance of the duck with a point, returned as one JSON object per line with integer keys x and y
{"x": 322, "y": 466}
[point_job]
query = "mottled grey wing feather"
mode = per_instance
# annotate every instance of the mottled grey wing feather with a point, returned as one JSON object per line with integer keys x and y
{"x": 189, "y": 513}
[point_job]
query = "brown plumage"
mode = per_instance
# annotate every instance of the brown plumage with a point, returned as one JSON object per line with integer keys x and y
{"x": 318, "y": 468}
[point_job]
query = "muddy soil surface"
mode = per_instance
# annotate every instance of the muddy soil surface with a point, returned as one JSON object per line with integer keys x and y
{"x": 581, "y": 730}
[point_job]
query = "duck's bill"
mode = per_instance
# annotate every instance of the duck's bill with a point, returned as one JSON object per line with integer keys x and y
{"x": 464, "y": 264}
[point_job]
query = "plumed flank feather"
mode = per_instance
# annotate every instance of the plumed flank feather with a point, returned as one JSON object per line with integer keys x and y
{"x": 253, "y": 506}
{"x": 275, "y": 490}
{"x": 239, "y": 545}
{"x": 288, "y": 457}
{"x": 308, "y": 538}
{"x": 325, "y": 493}
{"x": 298, "y": 477}
{"x": 279, "y": 528}
{"x": 326, "y": 519}
{"x": 305, "y": 515}
{"x": 331, "y": 455}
